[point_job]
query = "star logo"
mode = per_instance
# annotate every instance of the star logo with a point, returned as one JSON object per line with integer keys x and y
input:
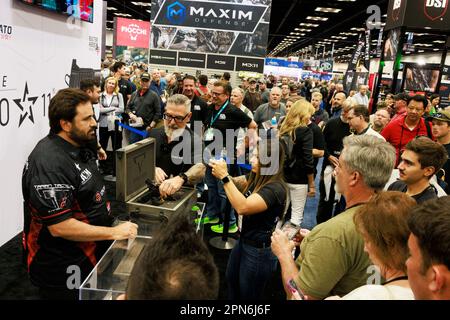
{"x": 26, "y": 100}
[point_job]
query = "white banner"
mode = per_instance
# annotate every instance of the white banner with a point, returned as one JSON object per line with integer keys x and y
{"x": 36, "y": 52}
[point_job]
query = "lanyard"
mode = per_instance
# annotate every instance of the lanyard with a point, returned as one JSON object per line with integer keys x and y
{"x": 217, "y": 115}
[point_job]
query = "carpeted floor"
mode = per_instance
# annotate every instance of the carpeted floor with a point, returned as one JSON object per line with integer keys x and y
{"x": 14, "y": 282}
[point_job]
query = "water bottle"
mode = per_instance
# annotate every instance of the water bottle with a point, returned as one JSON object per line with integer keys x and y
{"x": 273, "y": 122}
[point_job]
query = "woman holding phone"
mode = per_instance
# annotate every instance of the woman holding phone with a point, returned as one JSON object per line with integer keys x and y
{"x": 261, "y": 199}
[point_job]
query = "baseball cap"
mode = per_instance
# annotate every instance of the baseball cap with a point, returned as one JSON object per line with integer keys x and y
{"x": 251, "y": 80}
{"x": 443, "y": 115}
{"x": 145, "y": 76}
{"x": 401, "y": 96}
{"x": 262, "y": 81}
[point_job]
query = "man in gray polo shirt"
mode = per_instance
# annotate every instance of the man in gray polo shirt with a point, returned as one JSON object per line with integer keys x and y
{"x": 274, "y": 108}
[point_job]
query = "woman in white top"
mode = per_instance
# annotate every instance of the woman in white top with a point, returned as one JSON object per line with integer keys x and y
{"x": 111, "y": 106}
{"x": 382, "y": 223}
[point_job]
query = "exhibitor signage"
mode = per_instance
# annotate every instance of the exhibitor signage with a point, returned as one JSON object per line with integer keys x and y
{"x": 215, "y": 28}
{"x": 164, "y": 57}
{"x": 193, "y": 60}
{"x": 132, "y": 33}
{"x": 419, "y": 14}
{"x": 220, "y": 62}
{"x": 211, "y": 15}
{"x": 249, "y": 64}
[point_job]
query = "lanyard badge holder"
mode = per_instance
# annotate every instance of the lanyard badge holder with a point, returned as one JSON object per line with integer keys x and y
{"x": 209, "y": 133}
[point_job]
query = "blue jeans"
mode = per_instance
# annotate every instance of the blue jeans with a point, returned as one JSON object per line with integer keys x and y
{"x": 217, "y": 198}
{"x": 249, "y": 270}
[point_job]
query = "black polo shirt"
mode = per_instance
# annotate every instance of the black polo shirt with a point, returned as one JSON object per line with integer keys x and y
{"x": 179, "y": 155}
{"x": 60, "y": 182}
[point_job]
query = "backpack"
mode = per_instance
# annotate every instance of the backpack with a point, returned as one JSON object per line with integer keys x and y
{"x": 288, "y": 146}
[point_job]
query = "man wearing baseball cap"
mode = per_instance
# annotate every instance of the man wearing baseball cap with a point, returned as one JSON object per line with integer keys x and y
{"x": 144, "y": 108}
{"x": 401, "y": 103}
{"x": 252, "y": 98}
{"x": 441, "y": 131}
{"x": 263, "y": 90}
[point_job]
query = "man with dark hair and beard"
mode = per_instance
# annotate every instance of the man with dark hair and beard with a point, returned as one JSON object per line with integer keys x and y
{"x": 67, "y": 220}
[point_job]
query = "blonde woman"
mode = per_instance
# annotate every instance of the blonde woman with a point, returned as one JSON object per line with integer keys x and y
{"x": 299, "y": 164}
{"x": 111, "y": 105}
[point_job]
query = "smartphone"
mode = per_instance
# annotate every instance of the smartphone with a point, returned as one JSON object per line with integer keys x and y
{"x": 297, "y": 294}
{"x": 291, "y": 230}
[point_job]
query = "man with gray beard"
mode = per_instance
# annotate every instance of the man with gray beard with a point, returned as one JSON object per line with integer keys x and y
{"x": 178, "y": 149}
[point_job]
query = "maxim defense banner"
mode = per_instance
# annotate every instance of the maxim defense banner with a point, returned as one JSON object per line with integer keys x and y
{"x": 223, "y": 35}
{"x": 37, "y": 50}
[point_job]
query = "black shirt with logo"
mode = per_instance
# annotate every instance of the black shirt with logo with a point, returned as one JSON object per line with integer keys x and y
{"x": 179, "y": 155}
{"x": 199, "y": 110}
{"x": 227, "y": 124}
{"x": 61, "y": 182}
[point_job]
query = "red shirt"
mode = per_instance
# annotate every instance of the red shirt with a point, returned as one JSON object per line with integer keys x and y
{"x": 398, "y": 134}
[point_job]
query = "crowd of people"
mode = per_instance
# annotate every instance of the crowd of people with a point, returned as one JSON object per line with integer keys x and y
{"x": 257, "y": 146}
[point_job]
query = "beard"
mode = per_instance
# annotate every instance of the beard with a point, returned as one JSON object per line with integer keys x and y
{"x": 82, "y": 138}
{"x": 377, "y": 124}
{"x": 173, "y": 133}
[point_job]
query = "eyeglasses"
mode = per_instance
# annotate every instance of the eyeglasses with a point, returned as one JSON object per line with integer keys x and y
{"x": 176, "y": 118}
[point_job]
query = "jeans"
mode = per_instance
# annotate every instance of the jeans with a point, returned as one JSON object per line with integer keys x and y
{"x": 249, "y": 270}
{"x": 217, "y": 198}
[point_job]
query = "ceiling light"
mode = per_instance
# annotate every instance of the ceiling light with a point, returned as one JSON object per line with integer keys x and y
{"x": 122, "y": 14}
{"x": 332, "y": 10}
{"x": 142, "y": 4}
{"x": 112, "y": 8}
{"x": 439, "y": 41}
{"x": 303, "y": 30}
{"x": 311, "y": 25}
{"x": 316, "y": 18}
{"x": 358, "y": 29}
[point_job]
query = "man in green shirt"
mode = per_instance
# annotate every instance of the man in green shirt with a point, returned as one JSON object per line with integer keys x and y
{"x": 332, "y": 259}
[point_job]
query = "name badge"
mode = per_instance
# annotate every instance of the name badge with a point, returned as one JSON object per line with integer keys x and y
{"x": 197, "y": 107}
{"x": 222, "y": 117}
{"x": 209, "y": 135}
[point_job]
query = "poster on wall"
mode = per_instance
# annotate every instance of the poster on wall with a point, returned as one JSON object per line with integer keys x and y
{"x": 421, "y": 78}
{"x": 131, "y": 40}
{"x": 38, "y": 57}
{"x": 391, "y": 45}
{"x": 224, "y": 28}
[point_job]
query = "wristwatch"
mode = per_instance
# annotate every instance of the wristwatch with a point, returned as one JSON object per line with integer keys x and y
{"x": 184, "y": 177}
{"x": 226, "y": 179}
